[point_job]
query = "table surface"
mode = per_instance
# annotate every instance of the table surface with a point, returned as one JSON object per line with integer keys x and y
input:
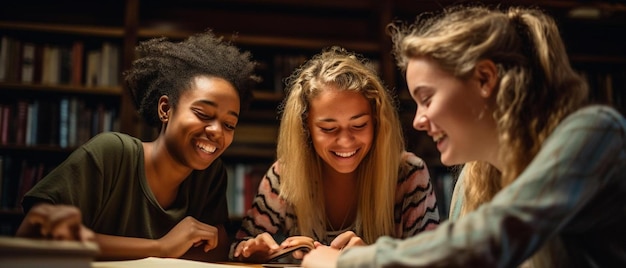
{"x": 153, "y": 262}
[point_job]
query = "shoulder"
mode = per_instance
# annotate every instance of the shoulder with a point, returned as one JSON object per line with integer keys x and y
{"x": 272, "y": 176}
{"x": 111, "y": 139}
{"x": 410, "y": 159}
{"x": 412, "y": 168}
{"x": 595, "y": 125}
{"x": 595, "y": 116}
{"x": 414, "y": 175}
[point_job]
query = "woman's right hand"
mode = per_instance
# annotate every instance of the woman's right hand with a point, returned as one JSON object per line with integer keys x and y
{"x": 57, "y": 222}
{"x": 187, "y": 233}
{"x": 256, "y": 249}
{"x": 346, "y": 240}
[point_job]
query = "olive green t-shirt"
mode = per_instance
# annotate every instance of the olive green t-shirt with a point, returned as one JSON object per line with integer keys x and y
{"x": 105, "y": 179}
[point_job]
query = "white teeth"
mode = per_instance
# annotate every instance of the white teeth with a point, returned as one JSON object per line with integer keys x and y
{"x": 345, "y": 154}
{"x": 438, "y": 137}
{"x": 207, "y": 148}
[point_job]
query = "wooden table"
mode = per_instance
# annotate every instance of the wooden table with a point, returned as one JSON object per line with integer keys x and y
{"x": 153, "y": 262}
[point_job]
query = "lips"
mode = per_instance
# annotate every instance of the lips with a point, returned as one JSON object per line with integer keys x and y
{"x": 345, "y": 154}
{"x": 438, "y": 137}
{"x": 208, "y": 148}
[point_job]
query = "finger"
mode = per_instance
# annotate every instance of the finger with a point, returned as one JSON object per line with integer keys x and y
{"x": 239, "y": 248}
{"x": 341, "y": 240}
{"x": 268, "y": 240}
{"x": 86, "y": 234}
{"x": 65, "y": 224}
{"x": 211, "y": 243}
{"x": 355, "y": 241}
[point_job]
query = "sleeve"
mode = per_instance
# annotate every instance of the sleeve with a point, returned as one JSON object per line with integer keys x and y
{"x": 415, "y": 199}
{"x": 76, "y": 181}
{"x": 267, "y": 213}
{"x": 572, "y": 167}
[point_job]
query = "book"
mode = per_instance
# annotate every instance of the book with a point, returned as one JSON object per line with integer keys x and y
{"x": 284, "y": 254}
{"x": 78, "y": 51}
{"x": 35, "y": 253}
{"x": 51, "y": 72}
{"x": 28, "y": 63}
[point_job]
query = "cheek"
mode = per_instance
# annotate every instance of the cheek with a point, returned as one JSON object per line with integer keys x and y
{"x": 228, "y": 138}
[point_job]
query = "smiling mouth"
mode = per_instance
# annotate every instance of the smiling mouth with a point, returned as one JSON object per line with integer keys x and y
{"x": 439, "y": 137}
{"x": 345, "y": 155}
{"x": 207, "y": 148}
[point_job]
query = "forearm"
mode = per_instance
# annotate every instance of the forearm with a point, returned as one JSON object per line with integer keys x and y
{"x": 125, "y": 248}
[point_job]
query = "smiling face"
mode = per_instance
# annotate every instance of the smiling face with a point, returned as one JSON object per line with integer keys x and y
{"x": 454, "y": 112}
{"x": 342, "y": 129}
{"x": 203, "y": 124}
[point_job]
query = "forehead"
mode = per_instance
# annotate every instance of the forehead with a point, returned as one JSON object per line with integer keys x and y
{"x": 333, "y": 103}
{"x": 211, "y": 88}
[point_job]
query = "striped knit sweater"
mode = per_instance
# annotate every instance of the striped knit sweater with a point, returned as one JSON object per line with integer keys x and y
{"x": 415, "y": 208}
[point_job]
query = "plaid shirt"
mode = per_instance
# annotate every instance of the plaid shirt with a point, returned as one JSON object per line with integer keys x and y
{"x": 574, "y": 190}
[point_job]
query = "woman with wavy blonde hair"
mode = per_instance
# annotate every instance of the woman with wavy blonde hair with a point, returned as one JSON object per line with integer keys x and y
{"x": 342, "y": 175}
{"x": 543, "y": 181}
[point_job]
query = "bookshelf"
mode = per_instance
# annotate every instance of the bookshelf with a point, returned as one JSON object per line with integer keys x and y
{"x": 280, "y": 34}
{"x": 60, "y": 84}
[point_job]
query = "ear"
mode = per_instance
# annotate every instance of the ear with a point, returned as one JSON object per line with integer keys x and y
{"x": 163, "y": 108}
{"x": 486, "y": 72}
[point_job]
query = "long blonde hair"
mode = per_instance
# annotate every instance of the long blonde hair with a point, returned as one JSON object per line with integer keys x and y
{"x": 537, "y": 85}
{"x": 301, "y": 173}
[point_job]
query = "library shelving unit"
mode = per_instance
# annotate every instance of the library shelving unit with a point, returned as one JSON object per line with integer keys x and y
{"x": 281, "y": 34}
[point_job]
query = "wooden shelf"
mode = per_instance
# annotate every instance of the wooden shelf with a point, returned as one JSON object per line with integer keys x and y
{"x": 82, "y": 30}
{"x": 104, "y": 91}
{"x": 268, "y": 41}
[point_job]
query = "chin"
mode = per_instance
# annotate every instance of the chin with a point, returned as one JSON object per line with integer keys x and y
{"x": 450, "y": 162}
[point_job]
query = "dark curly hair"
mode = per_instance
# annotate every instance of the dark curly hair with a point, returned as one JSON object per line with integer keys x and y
{"x": 168, "y": 68}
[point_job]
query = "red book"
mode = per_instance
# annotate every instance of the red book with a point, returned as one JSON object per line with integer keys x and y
{"x": 21, "y": 118}
{"x": 252, "y": 179}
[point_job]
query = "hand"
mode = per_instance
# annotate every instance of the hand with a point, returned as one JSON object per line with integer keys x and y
{"x": 322, "y": 257}
{"x": 256, "y": 249}
{"x": 294, "y": 241}
{"x": 57, "y": 222}
{"x": 187, "y": 233}
{"x": 345, "y": 240}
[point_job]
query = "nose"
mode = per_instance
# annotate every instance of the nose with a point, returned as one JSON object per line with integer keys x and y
{"x": 214, "y": 130}
{"x": 420, "y": 121}
{"x": 345, "y": 138}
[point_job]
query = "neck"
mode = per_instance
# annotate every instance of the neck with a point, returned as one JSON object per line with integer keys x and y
{"x": 340, "y": 199}
{"x": 163, "y": 174}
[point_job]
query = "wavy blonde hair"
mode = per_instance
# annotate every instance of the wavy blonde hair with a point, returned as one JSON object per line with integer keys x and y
{"x": 301, "y": 173}
{"x": 537, "y": 86}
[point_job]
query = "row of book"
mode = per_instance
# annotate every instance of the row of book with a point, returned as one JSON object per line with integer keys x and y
{"x": 607, "y": 87}
{"x": 66, "y": 122}
{"x": 281, "y": 66}
{"x": 55, "y": 64}
{"x": 243, "y": 183}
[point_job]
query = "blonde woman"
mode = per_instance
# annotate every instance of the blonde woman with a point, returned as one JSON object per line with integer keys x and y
{"x": 544, "y": 180}
{"x": 342, "y": 176}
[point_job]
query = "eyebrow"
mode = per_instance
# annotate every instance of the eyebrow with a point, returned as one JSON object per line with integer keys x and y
{"x": 417, "y": 89}
{"x": 351, "y": 118}
{"x": 212, "y": 103}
